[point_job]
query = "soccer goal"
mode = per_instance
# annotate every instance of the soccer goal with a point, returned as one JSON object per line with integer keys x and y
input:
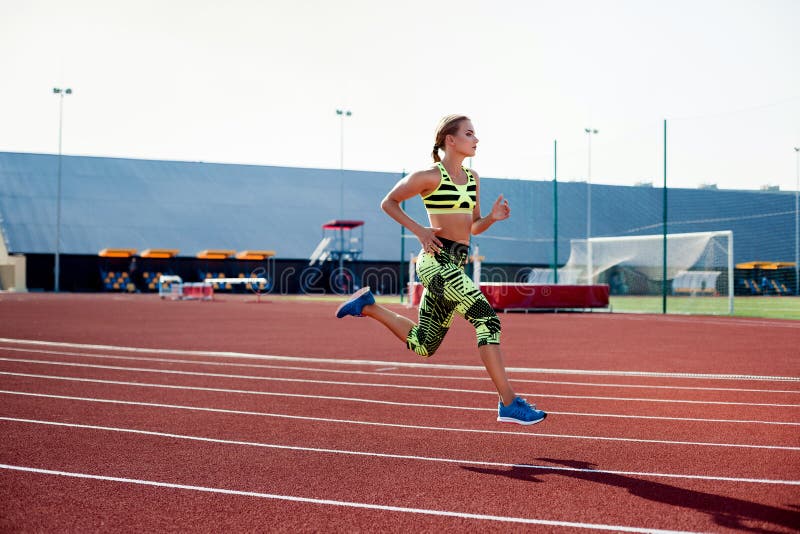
{"x": 699, "y": 271}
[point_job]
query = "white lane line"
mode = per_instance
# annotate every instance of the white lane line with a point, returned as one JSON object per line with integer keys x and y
{"x": 227, "y": 354}
{"x": 403, "y": 456}
{"x": 375, "y": 401}
{"x": 329, "y": 502}
{"x": 379, "y": 385}
{"x": 381, "y": 372}
{"x": 397, "y": 425}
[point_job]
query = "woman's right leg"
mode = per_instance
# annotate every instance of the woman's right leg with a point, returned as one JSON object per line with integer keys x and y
{"x": 435, "y": 318}
{"x": 399, "y": 325}
{"x": 435, "y": 311}
{"x": 423, "y": 338}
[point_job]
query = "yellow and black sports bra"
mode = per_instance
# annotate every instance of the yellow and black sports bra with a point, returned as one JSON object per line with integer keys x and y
{"x": 450, "y": 197}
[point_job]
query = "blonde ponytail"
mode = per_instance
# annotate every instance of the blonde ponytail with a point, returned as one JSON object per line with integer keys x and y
{"x": 447, "y": 126}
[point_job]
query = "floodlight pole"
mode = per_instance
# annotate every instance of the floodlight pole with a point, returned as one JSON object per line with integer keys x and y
{"x": 555, "y": 212}
{"x": 342, "y": 114}
{"x": 403, "y": 250}
{"x": 57, "y": 274}
{"x": 589, "y": 132}
{"x": 664, "y": 256}
{"x": 797, "y": 221}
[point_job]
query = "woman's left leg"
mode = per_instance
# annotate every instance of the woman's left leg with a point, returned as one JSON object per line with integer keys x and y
{"x": 493, "y": 361}
{"x": 473, "y": 306}
{"x": 476, "y": 309}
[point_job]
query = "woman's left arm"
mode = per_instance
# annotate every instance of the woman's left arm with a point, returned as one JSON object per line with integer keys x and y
{"x": 500, "y": 210}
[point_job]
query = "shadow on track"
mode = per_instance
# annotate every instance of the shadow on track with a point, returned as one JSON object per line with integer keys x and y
{"x": 727, "y": 512}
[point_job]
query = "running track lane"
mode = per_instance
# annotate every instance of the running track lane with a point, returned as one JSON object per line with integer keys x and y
{"x": 221, "y": 509}
{"x": 619, "y": 342}
{"x": 141, "y": 387}
{"x": 419, "y": 365}
{"x": 621, "y": 429}
{"x": 687, "y": 505}
{"x": 576, "y": 341}
{"x": 744, "y": 389}
{"x": 561, "y": 389}
{"x": 493, "y": 442}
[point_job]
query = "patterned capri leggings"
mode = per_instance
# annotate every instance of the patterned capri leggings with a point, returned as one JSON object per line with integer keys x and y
{"x": 448, "y": 290}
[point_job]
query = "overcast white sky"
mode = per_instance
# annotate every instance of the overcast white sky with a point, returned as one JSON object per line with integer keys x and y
{"x": 248, "y": 81}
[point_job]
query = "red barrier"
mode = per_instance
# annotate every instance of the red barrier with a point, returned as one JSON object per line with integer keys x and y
{"x": 535, "y": 296}
{"x": 197, "y": 291}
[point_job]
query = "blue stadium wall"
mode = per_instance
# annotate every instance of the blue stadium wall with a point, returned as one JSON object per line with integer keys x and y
{"x": 192, "y": 206}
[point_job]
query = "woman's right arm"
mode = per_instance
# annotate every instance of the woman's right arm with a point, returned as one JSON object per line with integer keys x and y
{"x": 412, "y": 185}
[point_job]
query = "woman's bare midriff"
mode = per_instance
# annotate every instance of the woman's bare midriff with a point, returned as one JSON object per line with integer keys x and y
{"x": 454, "y": 226}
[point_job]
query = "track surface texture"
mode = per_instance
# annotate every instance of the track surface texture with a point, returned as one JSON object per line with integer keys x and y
{"x": 129, "y": 413}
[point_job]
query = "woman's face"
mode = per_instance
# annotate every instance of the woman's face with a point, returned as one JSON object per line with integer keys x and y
{"x": 464, "y": 140}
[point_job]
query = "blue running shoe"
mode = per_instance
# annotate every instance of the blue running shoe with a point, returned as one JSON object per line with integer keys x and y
{"x": 356, "y": 302}
{"x": 520, "y": 412}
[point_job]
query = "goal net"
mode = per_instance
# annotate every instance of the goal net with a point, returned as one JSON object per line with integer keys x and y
{"x": 699, "y": 271}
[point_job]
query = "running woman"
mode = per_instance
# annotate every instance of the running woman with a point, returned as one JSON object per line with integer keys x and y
{"x": 451, "y": 194}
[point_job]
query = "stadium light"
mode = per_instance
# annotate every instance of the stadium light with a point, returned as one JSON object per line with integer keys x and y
{"x": 57, "y": 274}
{"x": 589, "y": 133}
{"x": 797, "y": 221}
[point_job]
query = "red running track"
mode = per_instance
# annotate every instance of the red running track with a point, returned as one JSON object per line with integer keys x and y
{"x": 319, "y": 424}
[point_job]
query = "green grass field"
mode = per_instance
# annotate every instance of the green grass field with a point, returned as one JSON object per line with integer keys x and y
{"x": 769, "y": 307}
